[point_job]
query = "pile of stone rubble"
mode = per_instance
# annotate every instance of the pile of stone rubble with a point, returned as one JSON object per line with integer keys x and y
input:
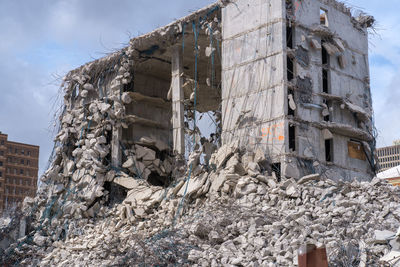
{"x": 232, "y": 213}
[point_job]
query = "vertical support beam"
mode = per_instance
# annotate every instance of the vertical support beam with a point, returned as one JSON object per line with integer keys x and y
{"x": 116, "y": 153}
{"x": 177, "y": 100}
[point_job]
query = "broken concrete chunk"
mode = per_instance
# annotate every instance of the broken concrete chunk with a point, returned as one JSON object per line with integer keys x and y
{"x": 315, "y": 44}
{"x": 126, "y": 98}
{"x": 327, "y": 134}
{"x": 88, "y": 86}
{"x": 84, "y": 93}
{"x": 292, "y": 104}
{"x": 127, "y": 182}
{"x": 339, "y": 44}
{"x": 308, "y": 178}
{"x": 384, "y": 236}
{"x": 393, "y": 258}
{"x": 342, "y": 61}
{"x": 223, "y": 154}
{"x": 331, "y": 49}
{"x": 209, "y": 51}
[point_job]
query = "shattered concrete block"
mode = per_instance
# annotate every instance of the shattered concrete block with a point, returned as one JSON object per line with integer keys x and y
{"x": 127, "y": 182}
{"x": 125, "y": 97}
{"x": 315, "y": 44}
{"x": 292, "y": 190}
{"x": 339, "y": 44}
{"x": 88, "y": 86}
{"x": 292, "y": 104}
{"x": 327, "y": 134}
{"x": 308, "y": 178}
{"x": 342, "y": 61}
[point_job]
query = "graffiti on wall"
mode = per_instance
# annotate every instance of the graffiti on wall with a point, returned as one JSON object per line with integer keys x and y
{"x": 275, "y": 132}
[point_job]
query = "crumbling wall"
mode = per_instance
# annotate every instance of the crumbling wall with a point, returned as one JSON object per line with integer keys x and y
{"x": 252, "y": 75}
{"x": 336, "y": 106}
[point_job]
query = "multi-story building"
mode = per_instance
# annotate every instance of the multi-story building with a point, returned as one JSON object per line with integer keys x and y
{"x": 18, "y": 171}
{"x": 288, "y": 78}
{"x": 388, "y": 157}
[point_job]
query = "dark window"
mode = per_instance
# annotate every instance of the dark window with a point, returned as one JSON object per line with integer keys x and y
{"x": 1, "y": 163}
{"x": 290, "y": 69}
{"x": 22, "y": 152}
{"x": 28, "y": 162}
{"x": 329, "y": 150}
{"x": 16, "y": 151}
{"x": 21, "y": 171}
{"x": 2, "y": 153}
{"x": 325, "y": 81}
{"x": 1, "y": 175}
{"x": 276, "y": 167}
{"x": 28, "y": 153}
{"x": 292, "y": 138}
{"x": 22, "y": 162}
{"x": 289, "y": 36}
{"x": 323, "y": 17}
{"x": 2, "y": 142}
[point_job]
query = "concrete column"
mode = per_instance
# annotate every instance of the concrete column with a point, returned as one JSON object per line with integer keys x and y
{"x": 177, "y": 100}
{"x": 116, "y": 153}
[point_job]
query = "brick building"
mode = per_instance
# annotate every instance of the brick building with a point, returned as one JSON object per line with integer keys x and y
{"x": 18, "y": 171}
{"x": 388, "y": 157}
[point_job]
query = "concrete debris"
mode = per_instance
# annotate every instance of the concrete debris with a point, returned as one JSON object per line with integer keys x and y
{"x": 267, "y": 220}
{"x": 315, "y": 44}
{"x": 292, "y": 104}
{"x": 331, "y": 49}
{"x": 342, "y": 61}
{"x": 121, "y": 191}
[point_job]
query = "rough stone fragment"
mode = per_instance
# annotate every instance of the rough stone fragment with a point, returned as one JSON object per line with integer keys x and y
{"x": 127, "y": 182}
{"x": 307, "y": 178}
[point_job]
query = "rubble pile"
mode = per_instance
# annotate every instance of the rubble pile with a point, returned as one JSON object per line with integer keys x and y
{"x": 233, "y": 213}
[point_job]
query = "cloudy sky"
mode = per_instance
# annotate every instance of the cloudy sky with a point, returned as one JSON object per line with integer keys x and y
{"x": 41, "y": 40}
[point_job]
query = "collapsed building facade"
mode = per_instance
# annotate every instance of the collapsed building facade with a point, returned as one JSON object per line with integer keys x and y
{"x": 288, "y": 79}
{"x": 285, "y": 83}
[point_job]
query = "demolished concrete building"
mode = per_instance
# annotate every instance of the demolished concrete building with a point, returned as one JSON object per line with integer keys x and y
{"x": 290, "y": 79}
{"x": 287, "y": 83}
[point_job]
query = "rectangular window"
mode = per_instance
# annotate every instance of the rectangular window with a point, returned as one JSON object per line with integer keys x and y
{"x": 16, "y": 151}
{"x": 22, "y": 152}
{"x": 21, "y": 171}
{"x": 28, "y": 153}
{"x": 289, "y": 35}
{"x": 2, "y": 142}
{"x": 1, "y": 163}
{"x": 22, "y": 162}
{"x": 290, "y": 69}
{"x": 28, "y": 162}
{"x": 329, "y": 150}
{"x": 292, "y": 138}
{"x": 1, "y": 174}
{"x": 325, "y": 81}
{"x": 356, "y": 150}
{"x": 1, "y": 153}
{"x": 323, "y": 17}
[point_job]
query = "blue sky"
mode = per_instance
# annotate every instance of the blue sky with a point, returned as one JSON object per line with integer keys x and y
{"x": 42, "y": 40}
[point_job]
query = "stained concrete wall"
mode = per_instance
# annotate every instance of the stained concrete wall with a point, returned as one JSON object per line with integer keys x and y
{"x": 253, "y": 69}
{"x": 350, "y": 82}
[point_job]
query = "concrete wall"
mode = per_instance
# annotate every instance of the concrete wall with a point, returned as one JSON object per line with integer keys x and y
{"x": 253, "y": 69}
{"x": 350, "y": 82}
